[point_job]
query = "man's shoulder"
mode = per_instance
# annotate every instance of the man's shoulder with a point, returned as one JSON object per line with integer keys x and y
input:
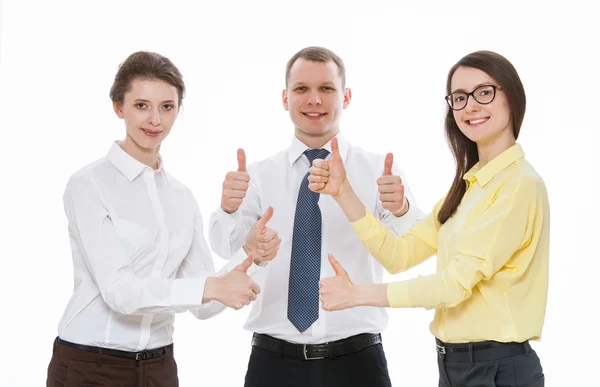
{"x": 358, "y": 156}
{"x": 277, "y": 160}
{"x": 358, "y": 151}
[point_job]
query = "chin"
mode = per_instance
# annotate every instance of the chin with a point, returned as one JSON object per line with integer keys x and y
{"x": 149, "y": 144}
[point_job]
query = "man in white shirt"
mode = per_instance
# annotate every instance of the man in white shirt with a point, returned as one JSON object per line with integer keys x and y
{"x": 295, "y": 342}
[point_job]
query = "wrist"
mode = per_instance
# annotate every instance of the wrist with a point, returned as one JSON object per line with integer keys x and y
{"x": 372, "y": 295}
{"x": 403, "y": 210}
{"x": 344, "y": 191}
{"x": 211, "y": 289}
{"x": 227, "y": 210}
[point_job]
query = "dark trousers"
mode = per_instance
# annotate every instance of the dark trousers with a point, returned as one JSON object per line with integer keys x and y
{"x": 497, "y": 370}
{"x": 366, "y": 368}
{"x": 72, "y": 367}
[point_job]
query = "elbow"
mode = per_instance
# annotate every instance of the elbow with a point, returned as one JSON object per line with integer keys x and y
{"x": 395, "y": 266}
{"x": 456, "y": 296}
{"x": 394, "y": 269}
{"x": 120, "y": 305}
{"x": 221, "y": 249}
{"x": 122, "y": 299}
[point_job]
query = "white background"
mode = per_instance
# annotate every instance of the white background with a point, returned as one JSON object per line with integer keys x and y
{"x": 58, "y": 60}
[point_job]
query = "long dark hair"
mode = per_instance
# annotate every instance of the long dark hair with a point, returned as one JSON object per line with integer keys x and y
{"x": 463, "y": 149}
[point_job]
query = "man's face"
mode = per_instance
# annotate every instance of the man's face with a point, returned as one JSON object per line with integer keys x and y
{"x": 315, "y": 98}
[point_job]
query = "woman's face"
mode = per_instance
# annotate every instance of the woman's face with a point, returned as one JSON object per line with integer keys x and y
{"x": 149, "y": 109}
{"x": 481, "y": 123}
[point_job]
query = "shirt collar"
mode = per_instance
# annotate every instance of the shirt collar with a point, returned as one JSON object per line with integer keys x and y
{"x": 497, "y": 164}
{"x": 129, "y": 166}
{"x": 298, "y": 147}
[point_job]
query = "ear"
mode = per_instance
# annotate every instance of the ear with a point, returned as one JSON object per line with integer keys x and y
{"x": 284, "y": 99}
{"x": 347, "y": 97}
{"x": 118, "y": 108}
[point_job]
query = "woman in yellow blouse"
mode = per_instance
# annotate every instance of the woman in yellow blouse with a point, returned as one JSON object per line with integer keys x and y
{"x": 490, "y": 234}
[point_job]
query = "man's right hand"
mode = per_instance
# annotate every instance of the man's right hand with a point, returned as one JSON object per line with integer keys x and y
{"x": 235, "y": 185}
{"x": 235, "y": 289}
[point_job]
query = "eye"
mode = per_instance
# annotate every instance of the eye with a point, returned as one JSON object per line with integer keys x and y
{"x": 301, "y": 88}
{"x": 327, "y": 88}
{"x": 168, "y": 106}
{"x": 458, "y": 97}
{"x": 141, "y": 105}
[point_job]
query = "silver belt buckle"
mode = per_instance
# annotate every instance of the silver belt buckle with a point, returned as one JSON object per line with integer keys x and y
{"x": 441, "y": 350}
{"x": 309, "y": 358}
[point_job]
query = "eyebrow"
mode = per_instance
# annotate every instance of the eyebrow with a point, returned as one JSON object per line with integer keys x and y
{"x": 479, "y": 85}
{"x": 145, "y": 100}
{"x": 328, "y": 83}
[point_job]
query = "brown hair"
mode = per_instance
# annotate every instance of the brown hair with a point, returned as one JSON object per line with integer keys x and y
{"x": 465, "y": 150}
{"x": 317, "y": 54}
{"x": 146, "y": 65}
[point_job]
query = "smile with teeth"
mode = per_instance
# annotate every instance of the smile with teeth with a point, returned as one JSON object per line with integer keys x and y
{"x": 314, "y": 114}
{"x": 477, "y": 121}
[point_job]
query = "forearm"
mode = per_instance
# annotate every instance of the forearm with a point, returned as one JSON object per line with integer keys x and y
{"x": 442, "y": 290}
{"x": 350, "y": 203}
{"x": 372, "y": 295}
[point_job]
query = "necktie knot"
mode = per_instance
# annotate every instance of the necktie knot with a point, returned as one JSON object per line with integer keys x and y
{"x": 313, "y": 154}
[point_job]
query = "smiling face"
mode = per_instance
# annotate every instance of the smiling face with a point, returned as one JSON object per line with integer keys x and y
{"x": 149, "y": 109}
{"x": 315, "y": 99}
{"x": 481, "y": 123}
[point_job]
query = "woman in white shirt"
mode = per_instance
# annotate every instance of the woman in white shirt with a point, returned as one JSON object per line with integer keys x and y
{"x": 139, "y": 252}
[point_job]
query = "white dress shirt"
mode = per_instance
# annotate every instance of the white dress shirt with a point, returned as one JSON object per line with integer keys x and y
{"x": 276, "y": 182}
{"x": 139, "y": 255}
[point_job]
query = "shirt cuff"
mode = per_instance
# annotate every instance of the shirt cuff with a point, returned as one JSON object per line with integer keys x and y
{"x": 398, "y": 295}
{"x": 228, "y": 221}
{"x": 405, "y": 223}
{"x": 366, "y": 227}
{"x": 188, "y": 293}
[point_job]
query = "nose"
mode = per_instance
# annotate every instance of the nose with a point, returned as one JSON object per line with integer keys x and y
{"x": 314, "y": 99}
{"x": 154, "y": 118}
{"x": 472, "y": 105}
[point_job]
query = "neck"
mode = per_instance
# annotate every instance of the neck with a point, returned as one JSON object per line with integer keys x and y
{"x": 145, "y": 156}
{"x": 488, "y": 150}
{"x": 318, "y": 140}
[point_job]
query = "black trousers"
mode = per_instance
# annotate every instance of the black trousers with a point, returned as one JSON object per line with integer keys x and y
{"x": 366, "y": 368}
{"x": 498, "y": 370}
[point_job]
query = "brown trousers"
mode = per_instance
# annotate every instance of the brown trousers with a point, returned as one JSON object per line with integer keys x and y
{"x": 71, "y": 367}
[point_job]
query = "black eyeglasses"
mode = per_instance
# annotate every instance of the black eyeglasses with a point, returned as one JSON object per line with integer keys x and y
{"x": 484, "y": 94}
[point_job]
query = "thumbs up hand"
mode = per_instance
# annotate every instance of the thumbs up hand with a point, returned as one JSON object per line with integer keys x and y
{"x": 337, "y": 293}
{"x": 235, "y": 289}
{"x": 327, "y": 176}
{"x": 391, "y": 189}
{"x": 262, "y": 241}
{"x": 235, "y": 185}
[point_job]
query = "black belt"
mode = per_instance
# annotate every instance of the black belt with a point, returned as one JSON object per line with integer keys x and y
{"x": 143, "y": 355}
{"x": 480, "y": 351}
{"x": 316, "y": 351}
